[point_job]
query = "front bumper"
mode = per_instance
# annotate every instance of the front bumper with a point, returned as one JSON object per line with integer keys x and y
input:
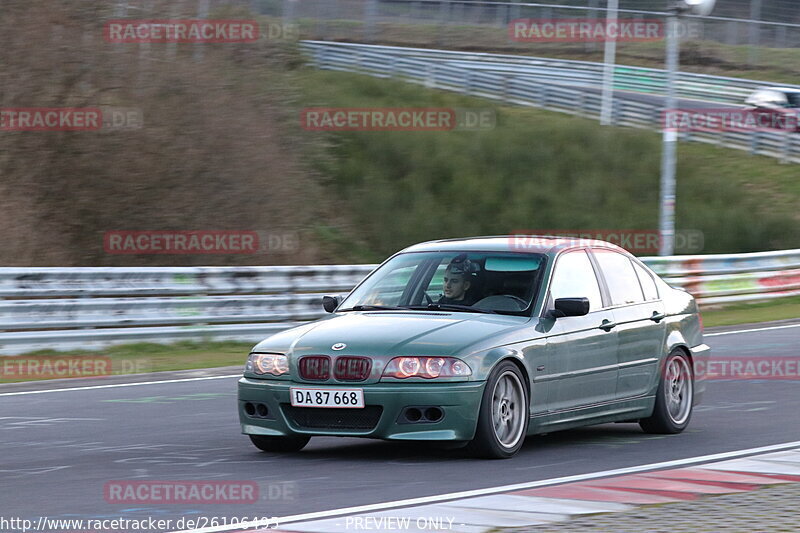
{"x": 459, "y": 402}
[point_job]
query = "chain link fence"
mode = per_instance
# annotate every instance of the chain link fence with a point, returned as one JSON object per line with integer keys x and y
{"x": 482, "y": 24}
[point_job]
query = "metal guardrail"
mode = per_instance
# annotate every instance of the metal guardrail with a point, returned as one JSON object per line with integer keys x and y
{"x": 90, "y": 308}
{"x": 557, "y": 85}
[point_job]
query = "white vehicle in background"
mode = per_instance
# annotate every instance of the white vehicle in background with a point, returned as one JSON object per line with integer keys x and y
{"x": 781, "y": 105}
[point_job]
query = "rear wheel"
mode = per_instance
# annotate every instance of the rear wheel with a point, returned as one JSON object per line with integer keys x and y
{"x": 674, "y": 397}
{"x": 503, "y": 415}
{"x": 279, "y": 444}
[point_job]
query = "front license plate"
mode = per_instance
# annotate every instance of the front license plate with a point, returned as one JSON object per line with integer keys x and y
{"x": 305, "y": 397}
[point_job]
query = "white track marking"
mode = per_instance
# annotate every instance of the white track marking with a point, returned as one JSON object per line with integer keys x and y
{"x": 115, "y": 385}
{"x": 495, "y": 490}
{"x": 750, "y": 330}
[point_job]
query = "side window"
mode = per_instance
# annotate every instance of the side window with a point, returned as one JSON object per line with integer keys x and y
{"x": 623, "y": 285}
{"x": 648, "y": 284}
{"x": 574, "y": 277}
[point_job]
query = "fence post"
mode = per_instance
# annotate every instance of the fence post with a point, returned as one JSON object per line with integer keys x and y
{"x": 370, "y": 14}
{"x": 176, "y": 10}
{"x": 780, "y": 37}
{"x": 591, "y": 15}
{"x": 501, "y": 15}
{"x": 202, "y": 13}
{"x": 444, "y": 13}
{"x": 754, "y": 31}
{"x": 732, "y": 32}
{"x": 288, "y": 11}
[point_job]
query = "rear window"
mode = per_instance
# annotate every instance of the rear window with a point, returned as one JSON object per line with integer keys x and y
{"x": 647, "y": 281}
{"x": 623, "y": 284}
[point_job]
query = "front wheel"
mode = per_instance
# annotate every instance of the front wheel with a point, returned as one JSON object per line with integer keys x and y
{"x": 503, "y": 414}
{"x": 279, "y": 444}
{"x": 674, "y": 397}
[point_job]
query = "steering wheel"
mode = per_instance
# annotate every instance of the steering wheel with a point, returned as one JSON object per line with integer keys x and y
{"x": 428, "y": 299}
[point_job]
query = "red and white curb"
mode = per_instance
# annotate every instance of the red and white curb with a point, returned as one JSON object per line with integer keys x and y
{"x": 555, "y": 503}
{"x": 552, "y": 500}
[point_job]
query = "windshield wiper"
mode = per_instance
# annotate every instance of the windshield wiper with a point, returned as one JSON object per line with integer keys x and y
{"x": 451, "y": 307}
{"x": 373, "y": 308}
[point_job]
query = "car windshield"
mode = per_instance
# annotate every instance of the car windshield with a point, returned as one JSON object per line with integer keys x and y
{"x": 794, "y": 99}
{"x": 480, "y": 282}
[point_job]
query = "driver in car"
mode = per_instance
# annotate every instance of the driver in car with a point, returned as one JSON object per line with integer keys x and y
{"x": 457, "y": 281}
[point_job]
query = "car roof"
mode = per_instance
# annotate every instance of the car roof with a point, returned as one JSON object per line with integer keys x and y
{"x": 542, "y": 244}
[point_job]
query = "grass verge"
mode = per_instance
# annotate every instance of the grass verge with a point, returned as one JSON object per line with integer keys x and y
{"x": 535, "y": 170}
{"x": 125, "y": 359}
{"x": 783, "y": 309}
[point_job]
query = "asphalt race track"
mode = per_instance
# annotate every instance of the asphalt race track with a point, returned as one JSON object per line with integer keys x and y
{"x": 60, "y": 448}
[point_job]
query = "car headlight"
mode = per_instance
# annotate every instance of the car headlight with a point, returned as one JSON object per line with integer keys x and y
{"x": 426, "y": 367}
{"x": 267, "y": 363}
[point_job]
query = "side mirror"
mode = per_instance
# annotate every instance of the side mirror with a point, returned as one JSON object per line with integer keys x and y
{"x": 330, "y": 303}
{"x": 570, "y": 307}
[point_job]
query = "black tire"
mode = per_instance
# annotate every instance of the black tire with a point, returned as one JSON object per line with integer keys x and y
{"x": 487, "y": 443}
{"x": 279, "y": 444}
{"x": 667, "y": 417}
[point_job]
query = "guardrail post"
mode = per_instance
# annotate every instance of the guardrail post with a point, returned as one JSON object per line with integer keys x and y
{"x": 755, "y": 141}
{"x": 468, "y": 82}
{"x": 616, "y": 112}
{"x": 786, "y": 146}
{"x": 319, "y": 56}
{"x": 430, "y": 76}
{"x": 359, "y": 61}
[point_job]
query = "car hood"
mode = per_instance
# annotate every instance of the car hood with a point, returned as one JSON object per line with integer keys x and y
{"x": 395, "y": 333}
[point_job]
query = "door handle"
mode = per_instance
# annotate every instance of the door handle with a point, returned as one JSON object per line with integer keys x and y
{"x": 657, "y": 317}
{"x": 607, "y": 325}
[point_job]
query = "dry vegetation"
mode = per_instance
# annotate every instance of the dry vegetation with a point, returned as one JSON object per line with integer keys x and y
{"x": 220, "y": 147}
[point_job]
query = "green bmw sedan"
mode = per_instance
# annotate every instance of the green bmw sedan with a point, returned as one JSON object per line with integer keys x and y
{"x": 480, "y": 342}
